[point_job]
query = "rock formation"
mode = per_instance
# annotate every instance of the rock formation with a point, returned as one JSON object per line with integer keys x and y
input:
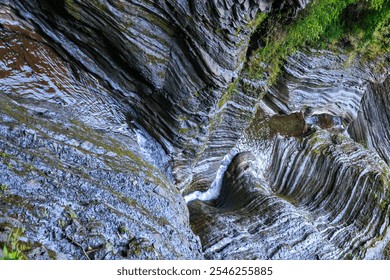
{"x": 115, "y": 113}
{"x": 318, "y": 194}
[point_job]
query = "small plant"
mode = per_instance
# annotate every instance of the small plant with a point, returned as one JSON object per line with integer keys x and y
{"x": 4, "y": 155}
{"x": 61, "y": 223}
{"x": 12, "y": 250}
{"x": 3, "y": 188}
{"x": 71, "y": 214}
{"x": 72, "y": 8}
{"x": 13, "y": 255}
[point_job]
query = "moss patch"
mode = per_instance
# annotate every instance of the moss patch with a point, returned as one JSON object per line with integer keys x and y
{"x": 360, "y": 25}
{"x": 72, "y": 8}
{"x": 226, "y": 96}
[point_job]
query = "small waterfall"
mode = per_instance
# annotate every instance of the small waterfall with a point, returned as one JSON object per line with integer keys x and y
{"x": 215, "y": 188}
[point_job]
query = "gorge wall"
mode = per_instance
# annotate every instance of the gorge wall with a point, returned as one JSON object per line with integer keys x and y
{"x": 116, "y": 113}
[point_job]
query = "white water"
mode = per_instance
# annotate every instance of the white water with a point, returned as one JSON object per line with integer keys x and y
{"x": 259, "y": 147}
{"x": 215, "y": 188}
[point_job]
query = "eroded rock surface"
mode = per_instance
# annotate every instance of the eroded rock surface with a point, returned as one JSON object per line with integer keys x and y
{"x": 171, "y": 61}
{"x": 321, "y": 200}
{"x": 78, "y": 194}
{"x": 371, "y": 126}
{"x": 112, "y": 110}
{"x": 77, "y": 182}
{"x": 300, "y": 186}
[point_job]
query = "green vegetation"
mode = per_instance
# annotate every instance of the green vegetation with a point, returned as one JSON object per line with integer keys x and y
{"x": 3, "y": 188}
{"x": 226, "y": 96}
{"x": 80, "y": 132}
{"x": 121, "y": 5}
{"x": 12, "y": 250}
{"x": 139, "y": 246}
{"x": 258, "y": 20}
{"x": 154, "y": 59}
{"x": 253, "y": 24}
{"x": 71, "y": 213}
{"x": 4, "y": 155}
{"x": 101, "y": 6}
{"x": 361, "y": 26}
{"x": 61, "y": 223}
{"x": 72, "y": 8}
{"x": 13, "y": 255}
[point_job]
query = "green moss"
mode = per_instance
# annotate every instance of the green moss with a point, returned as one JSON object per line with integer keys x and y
{"x": 363, "y": 24}
{"x": 241, "y": 43}
{"x": 80, "y": 132}
{"x": 72, "y": 8}
{"x": 154, "y": 59}
{"x": 100, "y": 5}
{"x": 238, "y": 31}
{"x": 228, "y": 93}
{"x": 291, "y": 125}
{"x": 161, "y": 74}
{"x": 214, "y": 123}
{"x": 71, "y": 213}
{"x": 13, "y": 199}
{"x": 289, "y": 198}
{"x": 253, "y": 24}
{"x": 156, "y": 20}
{"x": 121, "y": 5}
{"x": 183, "y": 130}
{"x": 3, "y": 188}
{"x": 127, "y": 23}
{"x": 182, "y": 118}
{"x": 138, "y": 247}
{"x": 363, "y": 143}
{"x": 4, "y": 155}
{"x": 385, "y": 204}
{"x": 61, "y": 223}
{"x": 134, "y": 204}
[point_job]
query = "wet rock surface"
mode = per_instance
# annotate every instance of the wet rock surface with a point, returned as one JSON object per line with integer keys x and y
{"x": 304, "y": 183}
{"x": 79, "y": 194}
{"x": 77, "y": 182}
{"x": 370, "y": 127}
{"x": 320, "y": 201}
{"x": 172, "y": 62}
{"x": 112, "y": 111}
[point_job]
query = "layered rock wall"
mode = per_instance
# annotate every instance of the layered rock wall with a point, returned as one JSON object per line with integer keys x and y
{"x": 370, "y": 126}
{"x": 111, "y": 110}
{"x": 172, "y": 61}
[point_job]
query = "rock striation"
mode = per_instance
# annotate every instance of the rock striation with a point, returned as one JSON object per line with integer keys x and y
{"x": 370, "y": 126}
{"x": 171, "y": 61}
{"x": 75, "y": 181}
{"x": 308, "y": 208}
{"x": 305, "y": 183}
{"x": 78, "y": 194}
{"x": 112, "y": 111}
